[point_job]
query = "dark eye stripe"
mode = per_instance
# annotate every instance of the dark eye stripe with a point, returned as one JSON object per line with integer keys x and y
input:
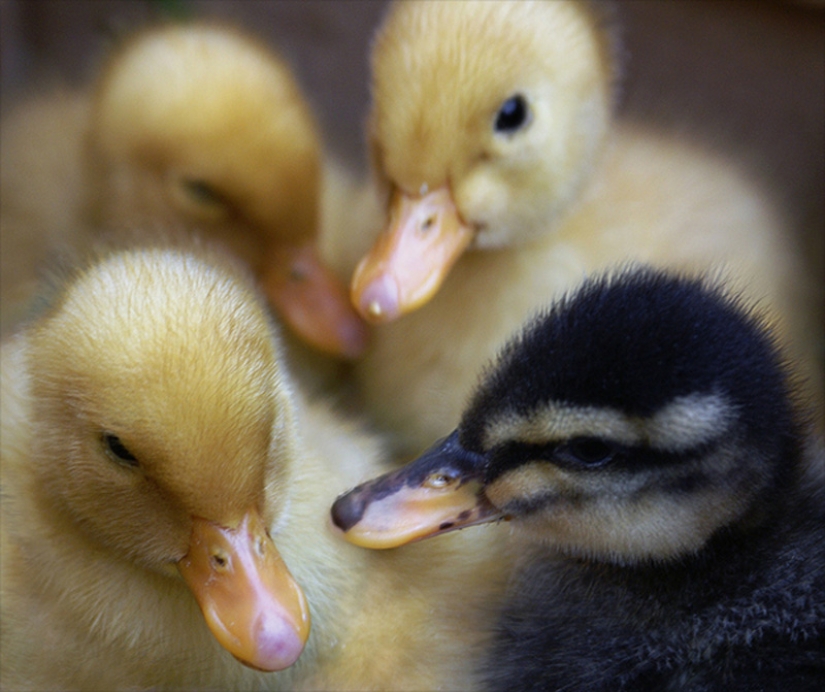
{"x": 511, "y": 455}
{"x": 522, "y": 507}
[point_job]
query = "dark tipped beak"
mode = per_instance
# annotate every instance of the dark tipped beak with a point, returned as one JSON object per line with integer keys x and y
{"x": 440, "y": 491}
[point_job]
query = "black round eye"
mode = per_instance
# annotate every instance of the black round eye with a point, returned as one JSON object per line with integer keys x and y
{"x": 589, "y": 450}
{"x": 512, "y": 115}
{"x": 118, "y": 450}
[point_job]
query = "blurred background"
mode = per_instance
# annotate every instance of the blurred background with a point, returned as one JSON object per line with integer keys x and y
{"x": 745, "y": 78}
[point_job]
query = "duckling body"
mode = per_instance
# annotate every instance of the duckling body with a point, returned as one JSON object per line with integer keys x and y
{"x": 667, "y": 500}
{"x": 146, "y": 416}
{"x": 544, "y": 198}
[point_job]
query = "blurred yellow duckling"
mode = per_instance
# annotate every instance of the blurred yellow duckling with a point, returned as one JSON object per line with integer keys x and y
{"x": 165, "y": 504}
{"x": 490, "y": 135}
{"x": 202, "y": 126}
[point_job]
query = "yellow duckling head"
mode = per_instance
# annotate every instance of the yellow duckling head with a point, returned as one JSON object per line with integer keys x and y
{"x": 163, "y": 438}
{"x": 202, "y": 126}
{"x": 486, "y": 119}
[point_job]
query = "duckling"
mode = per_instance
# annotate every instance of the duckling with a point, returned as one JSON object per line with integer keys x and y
{"x": 165, "y": 491}
{"x": 491, "y": 134}
{"x": 200, "y": 125}
{"x": 643, "y": 439}
{"x": 201, "y": 122}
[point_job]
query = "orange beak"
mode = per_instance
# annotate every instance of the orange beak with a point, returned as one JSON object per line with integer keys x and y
{"x": 441, "y": 491}
{"x": 250, "y": 601}
{"x": 313, "y": 302}
{"x": 412, "y": 257}
{"x": 412, "y": 514}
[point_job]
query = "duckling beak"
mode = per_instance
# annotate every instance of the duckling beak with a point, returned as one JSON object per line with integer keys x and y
{"x": 250, "y": 601}
{"x": 313, "y": 302}
{"x": 412, "y": 257}
{"x": 440, "y": 491}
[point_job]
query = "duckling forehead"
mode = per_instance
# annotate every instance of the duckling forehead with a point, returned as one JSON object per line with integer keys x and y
{"x": 173, "y": 324}
{"x": 686, "y": 423}
{"x": 203, "y": 80}
{"x": 178, "y": 361}
{"x": 672, "y": 353}
{"x": 441, "y": 71}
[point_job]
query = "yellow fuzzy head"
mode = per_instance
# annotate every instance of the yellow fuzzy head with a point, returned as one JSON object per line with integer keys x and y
{"x": 201, "y": 124}
{"x": 158, "y": 398}
{"x": 443, "y": 71}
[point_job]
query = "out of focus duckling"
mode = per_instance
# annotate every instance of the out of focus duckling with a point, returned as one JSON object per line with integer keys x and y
{"x": 165, "y": 503}
{"x": 202, "y": 126}
{"x": 642, "y": 438}
{"x": 491, "y": 135}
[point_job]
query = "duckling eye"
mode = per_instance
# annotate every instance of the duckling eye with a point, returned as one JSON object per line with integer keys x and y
{"x": 201, "y": 192}
{"x": 512, "y": 115}
{"x": 590, "y": 451}
{"x": 117, "y": 450}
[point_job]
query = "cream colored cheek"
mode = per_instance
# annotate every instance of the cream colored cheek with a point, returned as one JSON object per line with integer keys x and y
{"x": 485, "y": 201}
{"x": 529, "y": 481}
{"x": 657, "y": 527}
{"x": 145, "y": 529}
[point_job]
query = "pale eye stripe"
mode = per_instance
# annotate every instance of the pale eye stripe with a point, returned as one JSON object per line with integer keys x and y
{"x": 684, "y": 424}
{"x": 689, "y": 422}
{"x": 557, "y": 421}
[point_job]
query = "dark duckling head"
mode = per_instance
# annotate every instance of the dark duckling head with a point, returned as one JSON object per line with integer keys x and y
{"x": 630, "y": 421}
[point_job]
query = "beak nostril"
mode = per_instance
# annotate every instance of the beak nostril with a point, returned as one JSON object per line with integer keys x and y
{"x": 428, "y": 223}
{"x": 439, "y": 480}
{"x": 219, "y": 560}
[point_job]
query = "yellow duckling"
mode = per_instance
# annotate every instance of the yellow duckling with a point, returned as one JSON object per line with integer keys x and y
{"x": 162, "y": 479}
{"x": 201, "y": 126}
{"x": 490, "y": 132}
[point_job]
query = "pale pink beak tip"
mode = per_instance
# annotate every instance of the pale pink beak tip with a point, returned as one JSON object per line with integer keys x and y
{"x": 379, "y": 301}
{"x": 279, "y": 646}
